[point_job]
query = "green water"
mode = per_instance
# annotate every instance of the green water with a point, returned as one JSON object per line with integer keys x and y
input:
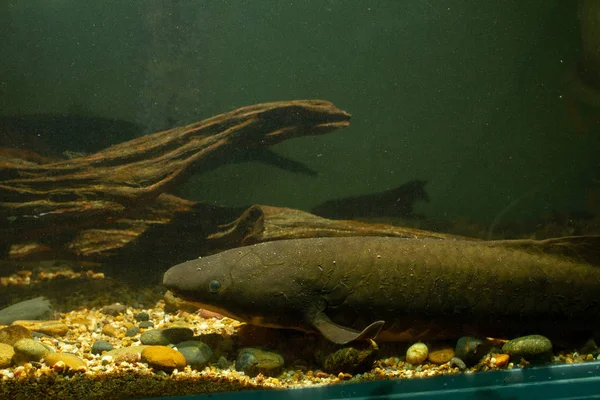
{"x": 468, "y": 96}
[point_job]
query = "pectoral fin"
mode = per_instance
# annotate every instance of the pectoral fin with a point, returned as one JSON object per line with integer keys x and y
{"x": 342, "y": 335}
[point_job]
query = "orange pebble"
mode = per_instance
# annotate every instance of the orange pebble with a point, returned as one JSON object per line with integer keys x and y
{"x": 501, "y": 360}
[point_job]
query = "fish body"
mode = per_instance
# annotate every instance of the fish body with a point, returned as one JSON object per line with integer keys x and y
{"x": 352, "y": 288}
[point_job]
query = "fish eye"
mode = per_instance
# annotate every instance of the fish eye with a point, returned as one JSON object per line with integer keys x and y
{"x": 214, "y": 286}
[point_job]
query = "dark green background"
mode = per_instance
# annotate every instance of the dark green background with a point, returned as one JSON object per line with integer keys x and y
{"x": 465, "y": 94}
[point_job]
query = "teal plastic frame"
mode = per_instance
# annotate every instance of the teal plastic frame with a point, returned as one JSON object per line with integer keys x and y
{"x": 575, "y": 381}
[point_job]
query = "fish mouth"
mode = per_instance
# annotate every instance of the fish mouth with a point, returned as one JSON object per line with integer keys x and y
{"x": 212, "y": 307}
{"x": 170, "y": 281}
{"x": 218, "y": 310}
{"x": 181, "y": 279}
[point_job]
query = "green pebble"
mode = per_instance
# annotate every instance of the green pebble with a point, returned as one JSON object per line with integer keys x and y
{"x": 30, "y": 350}
{"x": 253, "y": 361}
{"x": 133, "y": 331}
{"x": 100, "y": 346}
{"x": 196, "y": 353}
{"x": 533, "y": 348}
{"x": 163, "y": 337}
{"x": 352, "y": 359}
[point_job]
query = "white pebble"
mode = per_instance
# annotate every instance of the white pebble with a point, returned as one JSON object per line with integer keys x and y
{"x": 8, "y": 374}
{"x": 417, "y": 353}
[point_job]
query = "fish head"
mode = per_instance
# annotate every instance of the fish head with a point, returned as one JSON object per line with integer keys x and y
{"x": 255, "y": 284}
{"x": 205, "y": 282}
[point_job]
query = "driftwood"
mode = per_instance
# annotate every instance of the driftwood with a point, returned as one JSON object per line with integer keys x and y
{"x": 261, "y": 223}
{"x": 109, "y": 198}
{"x": 114, "y": 205}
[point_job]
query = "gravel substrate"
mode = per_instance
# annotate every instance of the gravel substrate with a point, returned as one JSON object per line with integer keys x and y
{"x": 84, "y": 320}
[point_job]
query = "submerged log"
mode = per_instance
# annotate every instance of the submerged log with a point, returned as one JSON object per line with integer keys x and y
{"x": 261, "y": 223}
{"x": 106, "y": 200}
{"x": 113, "y": 206}
{"x": 197, "y": 229}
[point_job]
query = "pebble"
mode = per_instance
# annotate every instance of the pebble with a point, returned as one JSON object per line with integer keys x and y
{"x": 344, "y": 377}
{"x": 116, "y": 353}
{"x": 174, "y": 335}
{"x": 111, "y": 331}
{"x": 114, "y": 309}
{"x": 71, "y": 361}
{"x": 146, "y": 324}
{"x": 38, "y": 308}
{"x": 153, "y": 337}
{"x": 11, "y": 334}
{"x": 86, "y": 323}
{"x": 142, "y": 316}
{"x": 533, "y": 348}
{"x": 441, "y": 356}
{"x": 457, "y": 362}
{"x": 51, "y": 328}
{"x": 253, "y": 361}
{"x": 502, "y": 360}
{"x": 417, "y": 353}
{"x": 163, "y": 358}
{"x": 30, "y": 350}
{"x": 469, "y": 349}
{"x": 6, "y": 355}
{"x": 101, "y": 346}
{"x": 133, "y": 331}
{"x": 196, "y": 353}
{"x": 320, "y": 374}
{"x": 352, "y": 359}
{"x": 131, "y": 358}
{"x": 223, "y": 363}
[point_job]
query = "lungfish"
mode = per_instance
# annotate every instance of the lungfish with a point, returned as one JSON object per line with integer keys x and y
{"x": 353, "y": 288}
